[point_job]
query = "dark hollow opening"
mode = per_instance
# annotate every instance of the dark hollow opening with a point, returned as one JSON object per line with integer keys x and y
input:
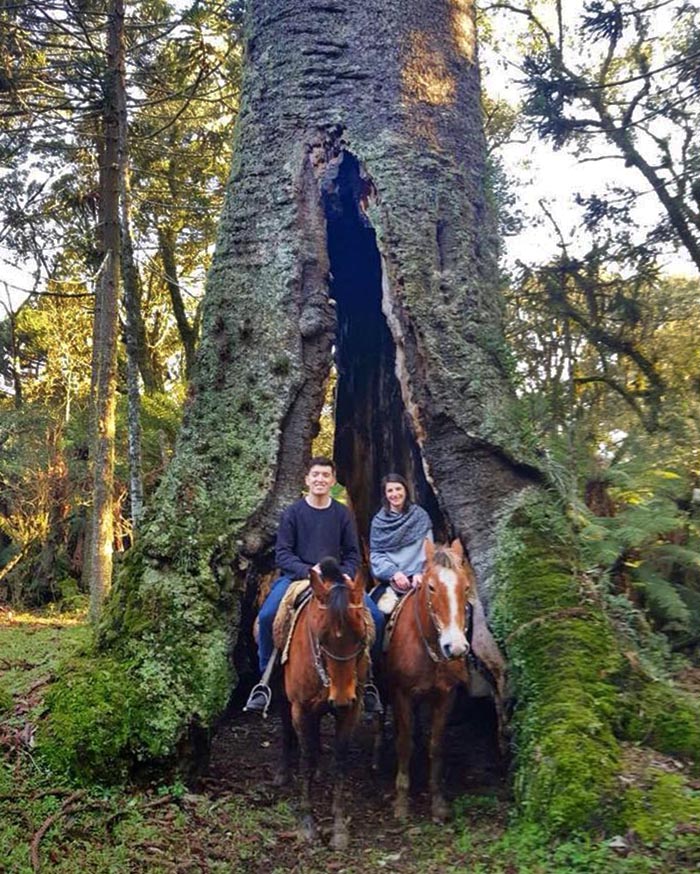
{"x": 373, "y": 435}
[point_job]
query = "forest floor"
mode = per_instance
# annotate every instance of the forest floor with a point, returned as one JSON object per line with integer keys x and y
{"x": 233, "y": 820}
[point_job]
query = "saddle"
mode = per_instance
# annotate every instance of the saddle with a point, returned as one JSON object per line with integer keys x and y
{"x": 293, "y": 602}
{"x": 291, "y": 605}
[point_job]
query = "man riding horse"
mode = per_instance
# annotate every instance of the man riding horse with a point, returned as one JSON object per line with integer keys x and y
{"x": 311, "y": 528}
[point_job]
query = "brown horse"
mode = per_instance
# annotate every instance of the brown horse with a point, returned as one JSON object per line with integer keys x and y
{"x": 426, "y": 662}
{"x": 325, "y": 671}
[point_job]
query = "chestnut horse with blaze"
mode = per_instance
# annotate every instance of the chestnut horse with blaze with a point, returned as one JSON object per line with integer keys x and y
{"x": 325, "y": 671}
{"x": 426, "y": 662}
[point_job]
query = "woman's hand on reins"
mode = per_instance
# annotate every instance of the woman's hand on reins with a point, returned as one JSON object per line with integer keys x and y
{"x": 401, "y": 581}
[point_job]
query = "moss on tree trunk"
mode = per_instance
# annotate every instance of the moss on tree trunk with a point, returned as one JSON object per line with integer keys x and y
{"x": 577, "y": 695}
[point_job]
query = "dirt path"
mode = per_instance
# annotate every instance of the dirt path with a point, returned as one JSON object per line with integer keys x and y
{"x": 244, "y": 758}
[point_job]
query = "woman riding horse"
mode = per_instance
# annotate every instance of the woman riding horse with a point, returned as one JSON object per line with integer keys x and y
{"x": 396, "y": 539}
{"x": 426, "y": 661}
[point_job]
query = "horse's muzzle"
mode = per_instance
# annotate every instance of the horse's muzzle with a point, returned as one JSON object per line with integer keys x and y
{"x": 346, "y": 702}
{"x": 456, "y": 649}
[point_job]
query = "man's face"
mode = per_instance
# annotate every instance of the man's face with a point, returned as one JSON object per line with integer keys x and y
{"x": 319, "y": 480}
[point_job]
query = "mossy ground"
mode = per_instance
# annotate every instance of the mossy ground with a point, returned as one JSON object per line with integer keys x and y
{"x": 234, "y": 821}
{"x": 159, "y": 664}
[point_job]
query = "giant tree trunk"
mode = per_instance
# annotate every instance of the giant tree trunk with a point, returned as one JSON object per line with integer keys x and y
{"x": 355, "y": 224}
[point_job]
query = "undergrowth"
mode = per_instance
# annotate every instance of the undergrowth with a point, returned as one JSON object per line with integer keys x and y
{"x": 168, "y": 827}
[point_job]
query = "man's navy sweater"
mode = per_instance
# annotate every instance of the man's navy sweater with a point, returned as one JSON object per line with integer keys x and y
{"x": 306, "y": 535}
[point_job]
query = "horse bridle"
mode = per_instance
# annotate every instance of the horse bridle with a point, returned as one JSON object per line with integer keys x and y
{"x": 318, "y": 650}
{"x": 437, "y": 625}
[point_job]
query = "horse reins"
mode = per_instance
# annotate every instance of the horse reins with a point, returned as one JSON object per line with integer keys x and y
{"x": 318, "y": 650}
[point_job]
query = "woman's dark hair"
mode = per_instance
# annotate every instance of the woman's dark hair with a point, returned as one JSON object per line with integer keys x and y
{"x": 396, "y": 478}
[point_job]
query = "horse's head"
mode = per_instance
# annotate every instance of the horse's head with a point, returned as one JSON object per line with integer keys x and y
{"x": 446, "y": 580}
{"x": 338, "y": 625}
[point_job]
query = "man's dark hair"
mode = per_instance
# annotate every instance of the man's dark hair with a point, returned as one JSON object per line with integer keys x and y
{"x": 396, "y": 478}
{"x": 321, "y": 461}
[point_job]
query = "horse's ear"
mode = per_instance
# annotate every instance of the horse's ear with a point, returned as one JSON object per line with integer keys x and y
{"x": 457, "y": 548}
{"x": 356, "y": 586}
{"x": 317, "y": 585}
{"x": 429, "y": 549}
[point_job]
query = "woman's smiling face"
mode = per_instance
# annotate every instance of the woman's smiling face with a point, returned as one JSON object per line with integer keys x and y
{"x": 395, "y": 494}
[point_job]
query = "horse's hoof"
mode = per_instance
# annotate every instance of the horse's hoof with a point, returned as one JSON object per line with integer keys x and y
{"x": 281, "y": 778}
{"x": 307, "y": 829}
{"x": 439, "y": 809}
{"x": 340, "y": 840}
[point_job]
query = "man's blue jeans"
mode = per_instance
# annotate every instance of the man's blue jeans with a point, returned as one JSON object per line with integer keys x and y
{"x": 266, "y": 617}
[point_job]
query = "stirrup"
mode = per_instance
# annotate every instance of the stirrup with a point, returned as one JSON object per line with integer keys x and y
{"x": 259, "y": 699}
{"x": 372, "y": 701}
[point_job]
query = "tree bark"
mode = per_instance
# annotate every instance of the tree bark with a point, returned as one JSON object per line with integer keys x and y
{"x": 134, "y": 333}
{"x": 188, "y": 332}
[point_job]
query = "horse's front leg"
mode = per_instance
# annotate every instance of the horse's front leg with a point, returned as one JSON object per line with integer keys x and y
{"x": 289, "y": 745}
{"x": 403, "y": 731}
{"x": 441, "y": 709}
{"x": 306, "y": 725}
{"x": 345, "y": 720}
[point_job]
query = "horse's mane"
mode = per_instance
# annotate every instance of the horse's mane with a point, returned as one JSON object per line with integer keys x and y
{"x": 339, "y": 595}
{"x": 444, "y": 557}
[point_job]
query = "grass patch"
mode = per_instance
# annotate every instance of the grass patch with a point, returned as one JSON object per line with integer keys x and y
{"x": 33, "y": 645}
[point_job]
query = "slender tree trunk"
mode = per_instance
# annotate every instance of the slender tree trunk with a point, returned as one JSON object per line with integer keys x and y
{"x": 134, "y": 334}
{"x": 45, "y": 578}
{"x": 100, "y": 147}
{"x": 106, "y": 315}
{"x": 187, "y": 331}
{"x": 133, "y": 290}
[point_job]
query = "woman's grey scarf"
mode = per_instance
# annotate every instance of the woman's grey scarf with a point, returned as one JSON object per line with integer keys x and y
{"x": 391, "y": 531}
